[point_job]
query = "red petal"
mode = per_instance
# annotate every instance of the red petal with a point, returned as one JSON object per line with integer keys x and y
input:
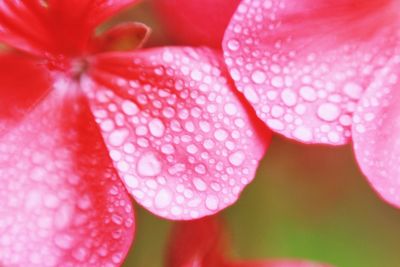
{"x": 123, "y": 37}
{"x": 196, "y": 243}
{"x": 376, "y": 131}
{"x": 62, "y": 202}
{"x": 178, "y": 134}
{"x": 23, "y": 25}
{"x": 54, "y": 26}
{"x": 304, "y": 64}
{"x": 277, "y": 263}
{"x": 74, "y": 20}
{"x": 22, "y": 84}
{"x": 196, "y": 22}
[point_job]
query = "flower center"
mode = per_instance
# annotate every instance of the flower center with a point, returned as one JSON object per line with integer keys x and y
{"x": 72, "y": 67}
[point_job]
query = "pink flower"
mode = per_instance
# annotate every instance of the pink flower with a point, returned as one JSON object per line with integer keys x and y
{"x": 205, "y": 243}
{"x": 81, "y": 129}
{"x": 324, "y": 72}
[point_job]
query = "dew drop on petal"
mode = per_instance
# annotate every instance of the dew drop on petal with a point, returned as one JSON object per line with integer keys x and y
{"x": 258, "y": 76}
{"x": 149, "y": 165}
{"x": 237, "y": 158}
{"x": 163, "y": 198}
{"x": 328, "y": 112}
{"x": 212, "y": 202}
{"x": 156, "y": 127}
{"x": 303, "y": 133}
{"x": 353, "y": 90}
{"x": 118, "y": 137}
{"x": 129, "y": 108}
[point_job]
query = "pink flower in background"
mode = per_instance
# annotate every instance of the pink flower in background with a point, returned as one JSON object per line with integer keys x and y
{"x": 83, "y": 125}
{"x": 324, "y": 72}
{"x": 205, "y": 243}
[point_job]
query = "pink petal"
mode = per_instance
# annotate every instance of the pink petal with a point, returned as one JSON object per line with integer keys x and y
{"x": 123, "y": 37}
{"x": 196, "y": 22}
{"x": 376, "y": 131}
{"x": 304, "y": 64}
{"x": 277, "y": 263}
{"x": 22, "y": 84}
{"x": 62, "y": 202}
{"x": 178, "y": 134}
{"x": 54, "y": 26}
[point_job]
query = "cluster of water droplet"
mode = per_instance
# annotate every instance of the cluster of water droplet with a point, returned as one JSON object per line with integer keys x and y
{"x": 62, "y": 202}
{"x": 303, "y": 82}
{"x": 178, "y": 136}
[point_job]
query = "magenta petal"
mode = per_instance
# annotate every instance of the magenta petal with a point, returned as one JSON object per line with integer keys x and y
{"x": 376, "y": 131}
{"x": 304, "y": 64}
{"x": 196, "y": 22}
{"x": 62, "y": 203}
{"x": 23, "y": 83}
{"x": 178, "y": 134}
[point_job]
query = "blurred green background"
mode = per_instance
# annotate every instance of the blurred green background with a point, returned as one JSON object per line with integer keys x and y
{"x": 307, "y": 202}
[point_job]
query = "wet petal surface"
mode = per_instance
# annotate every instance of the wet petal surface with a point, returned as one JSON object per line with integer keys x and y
{"x": 304, "y": 64}
{"x": 179, "y": 136}
{"x": 376, "y": 130}
{"x": 62, "y": 203}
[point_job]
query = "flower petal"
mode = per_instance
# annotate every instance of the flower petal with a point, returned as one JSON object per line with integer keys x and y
{"x": 54, "y": 26}
{"x": 23, "y": 25}
{"x": 123, "y": 37}
{"x": 304, "y": 64}
{"x": 277, "y": 263}
{"x": 196, "y": 22}
{"x": 376, "y": 129}
{"x": 178, "y": 134}
{"x": 62, "y": 203}
{"x": 23, "y": 82}
{"x": 197, "y": 243}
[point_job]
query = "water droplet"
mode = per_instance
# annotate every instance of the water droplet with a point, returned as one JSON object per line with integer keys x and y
{"x": 129, "y": 108}
{"x": 308, "y": 93}
{"x": 258, "y": 77}
{"x": 163, "y": 198}
{"x": 156, "y": 127}
{"x": 289, "y": 97}
{"x": 237, "y": 158}
{"x": 199, "y": 184}
{"x": 196, "y": 75}
{"x": 328, "y": 112}
{"x": 233, "y": 44}
{"x": 149, "y": 165}
{"x": 131, "y": 181}
{"x": 303, "y": 133}
{"x": 353, "y": 90}
{"x": 220, "y": 134}
{"x": 118, "y": 137}
{"x": 230, "y": 109}
{"x": 212, "y": 202}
